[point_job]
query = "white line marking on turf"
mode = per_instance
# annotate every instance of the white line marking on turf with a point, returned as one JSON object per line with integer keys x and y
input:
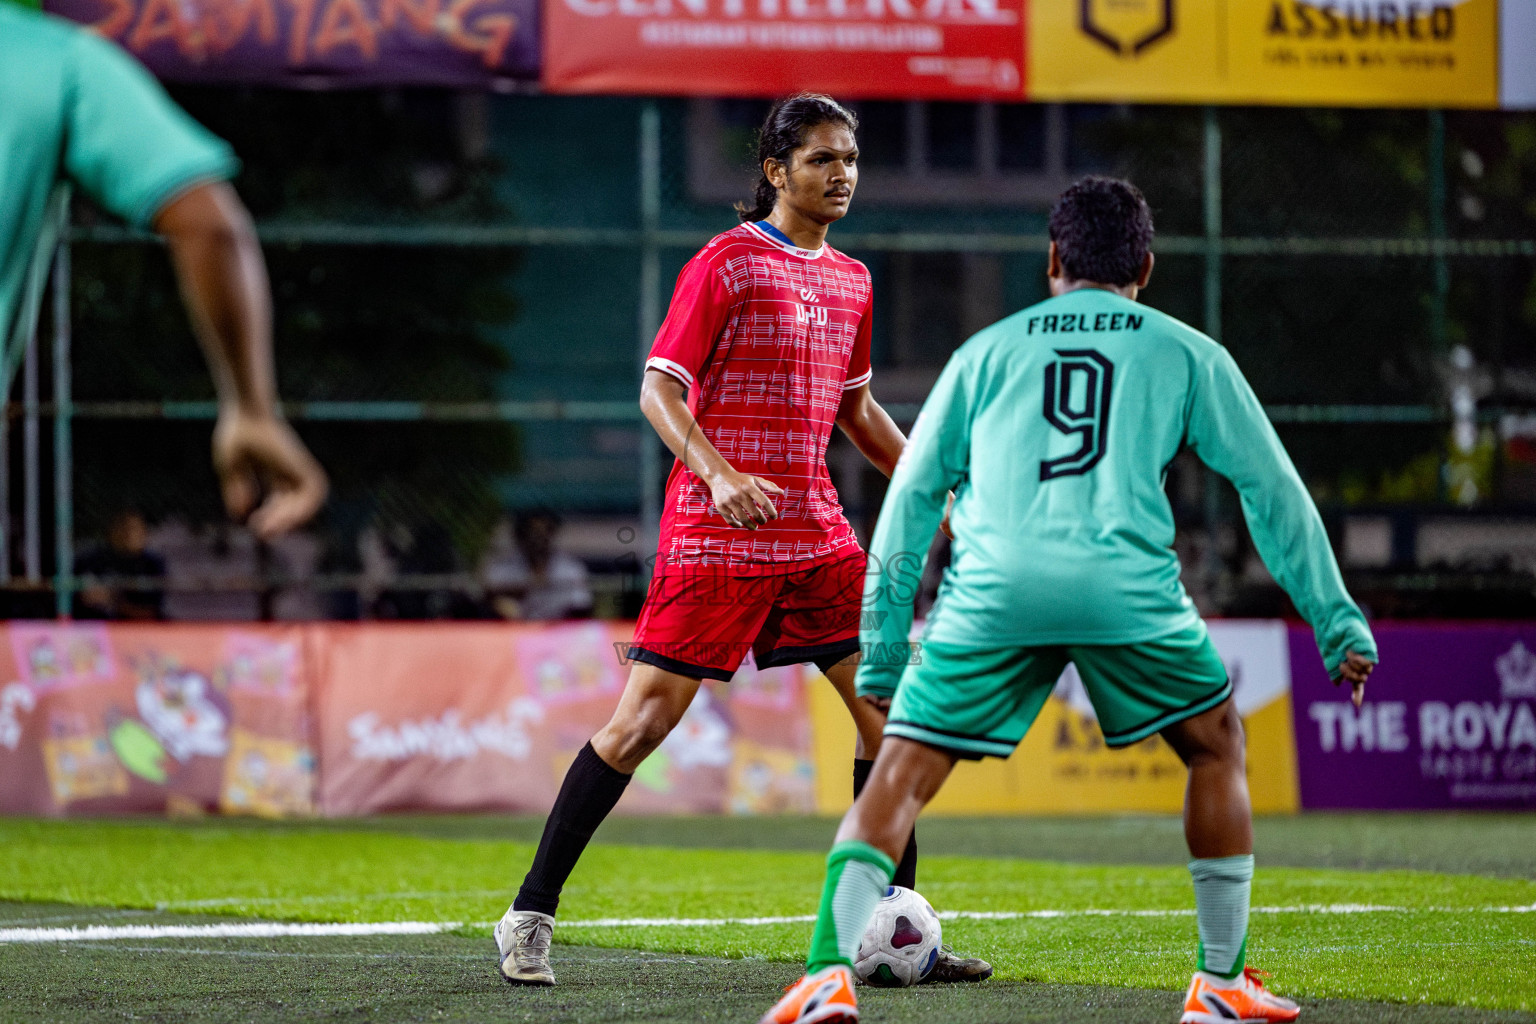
{"x": 273, "y": 930}
{"x": 255, "y": 930}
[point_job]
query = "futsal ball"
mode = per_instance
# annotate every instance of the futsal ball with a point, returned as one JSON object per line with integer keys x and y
{"x": 901, "y": 944}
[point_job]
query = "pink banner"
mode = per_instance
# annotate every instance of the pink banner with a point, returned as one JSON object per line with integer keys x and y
{"x": 481, "y": 717}
{"x": 344, "y": 719}
{"x": 184, "y": 719}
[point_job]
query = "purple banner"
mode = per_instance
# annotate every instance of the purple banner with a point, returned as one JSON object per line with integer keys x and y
{"x": 322, "y": 43}
{"x": 1449, "y": 721}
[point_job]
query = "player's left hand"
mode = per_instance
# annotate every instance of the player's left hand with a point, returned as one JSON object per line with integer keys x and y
{"x": 948, "y": 508}
{"x": 1357, "y": 669}
{"x": 269, "y": 479}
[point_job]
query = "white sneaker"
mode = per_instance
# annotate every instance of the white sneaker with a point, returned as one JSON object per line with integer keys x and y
{"x": 522, "y": 947}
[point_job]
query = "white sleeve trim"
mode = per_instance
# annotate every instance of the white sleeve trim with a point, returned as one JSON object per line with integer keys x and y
{"x": 859, "y": 381}
{"x": 668, "y": 366}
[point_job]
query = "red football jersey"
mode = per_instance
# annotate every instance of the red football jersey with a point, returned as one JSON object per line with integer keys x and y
{"x": 767, "y": 337}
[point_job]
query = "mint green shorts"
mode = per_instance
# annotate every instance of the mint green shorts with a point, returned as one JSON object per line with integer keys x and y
{"x": 980, "y": 703}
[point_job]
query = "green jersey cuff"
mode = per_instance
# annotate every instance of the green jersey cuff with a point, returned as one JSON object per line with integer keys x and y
{"x": 871, "y": 685}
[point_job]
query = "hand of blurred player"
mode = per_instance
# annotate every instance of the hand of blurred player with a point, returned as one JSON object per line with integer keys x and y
{"x": 742, "y": 500}
{"x": 269, "y": 479}
{"x": 948, "y": 508}
{"x": 1357, "y": 669}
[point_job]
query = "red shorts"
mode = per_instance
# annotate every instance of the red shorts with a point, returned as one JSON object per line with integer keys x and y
{"x": 701, "y": 623}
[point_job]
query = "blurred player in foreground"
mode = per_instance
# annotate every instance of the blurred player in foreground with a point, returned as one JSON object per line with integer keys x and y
{"x": 1055, "y": 427}
{"x": 73, "y": 106}
{"x": 764, "y": 349}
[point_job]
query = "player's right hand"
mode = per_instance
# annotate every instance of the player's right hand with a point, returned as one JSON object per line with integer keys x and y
{"x": 269, "y": 479}
{"x": 743, "y": 501}
{"x": 1357, "y": 669}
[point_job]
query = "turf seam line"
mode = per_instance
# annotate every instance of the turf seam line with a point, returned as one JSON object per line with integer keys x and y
{"x": 266, "y": 930}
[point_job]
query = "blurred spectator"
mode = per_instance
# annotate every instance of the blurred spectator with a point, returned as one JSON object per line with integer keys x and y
{"x": 126, "y": 554}
{"x": 530, "y": 577}
{"x": 424, "y": 562}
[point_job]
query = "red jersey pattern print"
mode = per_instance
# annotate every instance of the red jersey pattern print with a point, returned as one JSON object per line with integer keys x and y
{"x": 767, "y": 337}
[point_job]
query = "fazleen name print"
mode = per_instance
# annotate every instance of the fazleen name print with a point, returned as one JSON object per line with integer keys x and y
{"x": 1082, "y": 323}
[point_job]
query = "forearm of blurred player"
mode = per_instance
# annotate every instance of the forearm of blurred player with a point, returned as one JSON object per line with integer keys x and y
{"x": 871, "y": 429}
{"x": 268, "y": 478}
{"x": 224, "y": 284}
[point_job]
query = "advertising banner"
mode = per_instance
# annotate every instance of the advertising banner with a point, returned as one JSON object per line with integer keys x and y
{"x": 352, "y": 719}
{"x": 1437, "y": 53}
{"x": 1063, "y": 766}
{"x": 183, "y": 719}
{"x": 1297, "y": 52}
{"x": 1517, "y": 57}
{"x": 1449, "y": 722}
{"x": 489, "y": 717}
{"x": 314, "y": 43}
{"x": 913, "y": 49}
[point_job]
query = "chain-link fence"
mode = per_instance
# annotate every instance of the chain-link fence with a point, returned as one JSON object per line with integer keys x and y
{"x": 465, "y": 285}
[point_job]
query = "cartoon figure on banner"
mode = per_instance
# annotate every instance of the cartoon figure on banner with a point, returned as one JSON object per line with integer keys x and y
{"x": 701, "y": 740}
{"x": 181, "y": 708}
{"x": 50, "y": 656}
{"x": 569, "y": 664}
{"x": 767, "y": 780}
{"x": 80, "y": 760}
{"x": 257, "y": 664}
{"x": 137, "y": 748}
{"x": 776, "y": 688}
{"x": 14, "y": 698}
{"x": 269, "y": 777}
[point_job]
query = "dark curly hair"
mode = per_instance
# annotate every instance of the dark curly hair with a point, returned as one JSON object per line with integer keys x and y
{"x": 784, "y": 131}
{"x": 1102, "y": 228}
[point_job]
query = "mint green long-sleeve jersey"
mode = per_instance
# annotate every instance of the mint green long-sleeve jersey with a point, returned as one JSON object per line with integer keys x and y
{"x": 1055, "y": 428}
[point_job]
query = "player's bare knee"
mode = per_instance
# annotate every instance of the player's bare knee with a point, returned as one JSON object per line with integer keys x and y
{"x": 1213, "y": 737}
{"x": 626, "y": 741}
{"x": 915, "y": 770}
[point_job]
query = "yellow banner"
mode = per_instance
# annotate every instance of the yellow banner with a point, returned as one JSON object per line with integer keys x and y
{"x": 1441, "y": 53}
{"x": 1063, "y": 766}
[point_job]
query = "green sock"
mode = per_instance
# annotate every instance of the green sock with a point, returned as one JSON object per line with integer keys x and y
{"x": 1222, "y": 886}
{"x": 857, "y": 875}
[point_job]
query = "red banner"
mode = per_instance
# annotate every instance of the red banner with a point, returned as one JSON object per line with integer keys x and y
{"x": 854, "y": 49}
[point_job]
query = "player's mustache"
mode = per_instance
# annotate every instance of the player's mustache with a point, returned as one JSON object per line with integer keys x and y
{"x": 841, "y": 190}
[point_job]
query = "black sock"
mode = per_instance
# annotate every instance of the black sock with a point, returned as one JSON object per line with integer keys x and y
{"x": 906, "y": 871}
{"x": 589, "y": 791}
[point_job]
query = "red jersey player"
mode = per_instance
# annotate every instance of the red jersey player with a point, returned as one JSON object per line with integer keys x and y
{"x": 764, "y": 349}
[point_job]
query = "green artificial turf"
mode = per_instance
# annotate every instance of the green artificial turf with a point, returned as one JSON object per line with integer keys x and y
{"x": 1467, "y": 843}
{"x": 452, "y": 978}
{"x": 1444, "y": 946}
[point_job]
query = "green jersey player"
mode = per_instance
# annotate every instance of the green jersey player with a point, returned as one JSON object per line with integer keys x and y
{"x": 1054, "y": 429}
{"x": 75, "y": 108}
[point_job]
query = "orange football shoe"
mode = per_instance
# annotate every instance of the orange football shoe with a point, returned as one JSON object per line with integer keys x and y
{"x": 1240, "y": 1000}
{"x": 825, "y": 997}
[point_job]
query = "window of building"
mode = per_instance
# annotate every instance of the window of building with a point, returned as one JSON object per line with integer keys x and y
{"x": 916, "y": 153}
